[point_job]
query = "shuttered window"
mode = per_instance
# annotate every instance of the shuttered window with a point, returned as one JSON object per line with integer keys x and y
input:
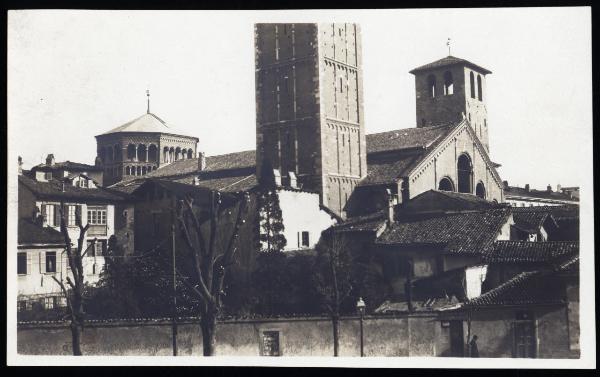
{"x": 22, "y": 264}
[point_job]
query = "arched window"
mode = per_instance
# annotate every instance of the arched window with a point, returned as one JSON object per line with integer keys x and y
{"x": 480, "y": 190}
{"x": 177, "y": 153}
{"x": 166, "y": 154}
{"x": 465, "y": 174}
{"x": 131, "y": 152}
{"x": 341, "y": 85}
{"x": 143, "y": 170}
{"x": 127, "y": 170}
{"x": 431, "y": 85}
{"x": 479, "y": 88}
{"x": 152, "y": 153}
{"x": 183, "y": 153}
{"x": 102, "y": 154}
{"x": 190, "y": 153}
{"x": 118, "y": 152}
{"x": 139, "y": 170}
{"x": 171, "y": 154}
{"x": 446, "y": 184}
{"x": 142, "y": 153}
{"x": 448, "y": 83}
{"x": 472, "y": 82}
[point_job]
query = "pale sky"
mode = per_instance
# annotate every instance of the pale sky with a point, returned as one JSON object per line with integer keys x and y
{"x": 76, "y": 74}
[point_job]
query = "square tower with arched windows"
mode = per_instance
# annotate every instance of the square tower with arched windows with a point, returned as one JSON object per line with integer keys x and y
{"x": 447, "y": 90}
{"x": 309, "y": 113}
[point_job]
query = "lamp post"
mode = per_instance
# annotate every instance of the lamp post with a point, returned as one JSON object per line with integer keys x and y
{"x": 360, "y": 306}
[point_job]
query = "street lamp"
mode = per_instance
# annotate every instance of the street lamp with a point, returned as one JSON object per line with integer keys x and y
{"x": 360, "y": 306}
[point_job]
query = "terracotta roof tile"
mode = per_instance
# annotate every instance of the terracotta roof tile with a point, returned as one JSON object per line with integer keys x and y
{"x": 461, "y": 233}
{"x": 447, "y": 61}
{"x": 407, "y": 138}
{"x": 53, "y": 190}
{"x": 530, "y": 287}
{"x": 526, "y": 251}
{"x": 539, "y": 194}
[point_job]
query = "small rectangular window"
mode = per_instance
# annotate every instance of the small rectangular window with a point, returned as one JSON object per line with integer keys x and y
{"x": 270, "y": 340}
{"x": 51, "y": 261}
{"x": 22, "y": 263}
{"x": 305, "y": 239}
{"x": 71, "y": 219}
{"x": 49, "y": 302}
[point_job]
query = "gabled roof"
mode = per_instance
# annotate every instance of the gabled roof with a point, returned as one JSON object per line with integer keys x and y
{"x": 526, "y": 288}
{"x": 531, "y": 221}
{"x": 30, "y": 233}
{"x": 407, "y": 138}
{"x": 448, "y": 61}
{"x": 53, "y": 190}
{"x": 67, "y": 165}
{"x": 526, "y": 251}
{"x": 445, "y": 201}
{"x": 229, "y": 161}
{"x": 366, "y": 223}
{"x": 145, "y": 123}
{"x": 394, "y": 154}
{"x": 470, "y": 233}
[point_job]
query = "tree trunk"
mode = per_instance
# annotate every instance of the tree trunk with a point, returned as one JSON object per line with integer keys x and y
{"x": 336, "y": 334}
{"x": 76, "y": 338}
{"x": 208, "y": 325}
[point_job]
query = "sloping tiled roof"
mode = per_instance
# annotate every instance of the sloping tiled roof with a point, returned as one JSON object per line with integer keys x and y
{"x": 68, "y": 165}
{"x": 145, "y": 123}
{"x": 526, "y": 251}
{"x": 446, "y": 201}
{"x": 538, "y": 194}
{"x": 388, "y": 171}
{"x": 53, "y": 190}
{"x": 237, "y": 160}
{"x": 407, "y": 138}
{"x": 30, "y": 233}
{"x": 366, "y": 223}
{"x": 530, "y": 287}
{"x": 447, "y": 61}
{"x": 462, "y": 233}
{"x": 409, "y": 147}
{"x": 530, "y": 221}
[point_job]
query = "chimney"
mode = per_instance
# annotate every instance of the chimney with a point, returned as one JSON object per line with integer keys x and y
{"x": 558, "y": 188}
{"x": 390, "y": 206}
{"x": 50, "y": 160}
{"x": 20, "y": 160}
{"x": 505, "y": 183}
{"x": 548, "y": 188}
{"x": 201, "y": 161}
{"x": 527, "y": 187}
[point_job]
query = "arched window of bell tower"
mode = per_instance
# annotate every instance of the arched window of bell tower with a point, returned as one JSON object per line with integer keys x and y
{"x": 431, "y": 86}
{"x": 472, "y": 84}
{"x": 479, "y": 88}
{"x": 448, "y": 83}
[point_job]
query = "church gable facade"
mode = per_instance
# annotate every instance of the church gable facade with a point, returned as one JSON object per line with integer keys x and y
{"x": 459, "y": 163}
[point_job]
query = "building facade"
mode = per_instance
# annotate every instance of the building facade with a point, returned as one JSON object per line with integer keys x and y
{"x": 309, "y": 113}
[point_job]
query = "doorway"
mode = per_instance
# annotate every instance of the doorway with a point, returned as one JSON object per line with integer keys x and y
{"x": 457, "y": 342}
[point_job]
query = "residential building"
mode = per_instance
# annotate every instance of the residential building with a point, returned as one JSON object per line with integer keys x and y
{"x": 41, "y": 197}
{"x": 527, "y": 197}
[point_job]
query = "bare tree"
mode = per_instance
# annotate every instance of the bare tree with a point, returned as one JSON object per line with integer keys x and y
{"x": 73, "y": 290}
{"x": 333, "y": 277}
{"x": 211, "y": 258}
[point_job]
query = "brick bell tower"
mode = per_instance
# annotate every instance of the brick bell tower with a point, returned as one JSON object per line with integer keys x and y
{"x": 309, "y": 112}
{"x": 448, "y": 88}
